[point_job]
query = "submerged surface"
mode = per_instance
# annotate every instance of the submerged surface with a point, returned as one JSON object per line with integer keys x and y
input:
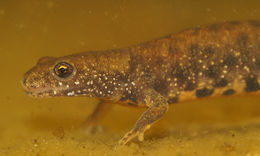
{"x": 32, "y": 29}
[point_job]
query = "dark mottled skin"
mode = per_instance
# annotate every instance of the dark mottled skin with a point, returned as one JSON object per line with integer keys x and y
{"x": 214, "y": 60}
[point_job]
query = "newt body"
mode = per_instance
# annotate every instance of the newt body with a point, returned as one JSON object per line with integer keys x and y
{"x": 215, "y": 60}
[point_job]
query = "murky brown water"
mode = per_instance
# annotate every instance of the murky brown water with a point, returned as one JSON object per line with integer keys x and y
{"x": 34, "y": 28}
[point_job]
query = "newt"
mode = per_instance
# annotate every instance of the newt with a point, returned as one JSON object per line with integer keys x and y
{"x": 208, "y": 61}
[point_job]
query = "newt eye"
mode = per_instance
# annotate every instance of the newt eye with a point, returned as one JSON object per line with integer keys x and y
{"x": 63, "y": 69}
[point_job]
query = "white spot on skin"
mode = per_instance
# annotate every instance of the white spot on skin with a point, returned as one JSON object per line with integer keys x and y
{"x": 67, "y": 86}
{"x": 251, "y": 76}
{"x": 70, "y": 93}
{"x": 54, "y": 92}
{"x": 60, "y": 83}
{"x": 237, "y": 53}
{"x": 76, "y": 82}
{"x": 246, "y": 68}
{"x": 133, "y": 83}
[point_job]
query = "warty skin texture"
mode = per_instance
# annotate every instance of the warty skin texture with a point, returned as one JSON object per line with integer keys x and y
{"x": 215, "y": 60}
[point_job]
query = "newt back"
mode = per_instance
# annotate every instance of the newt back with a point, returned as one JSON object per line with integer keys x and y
{"x": 220, "y": 59}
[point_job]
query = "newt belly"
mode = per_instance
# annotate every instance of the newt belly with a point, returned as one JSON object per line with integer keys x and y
{"x": 215, "y": 60}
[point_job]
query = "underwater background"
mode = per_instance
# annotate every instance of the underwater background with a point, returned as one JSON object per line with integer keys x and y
{"x": 30, "y": 29}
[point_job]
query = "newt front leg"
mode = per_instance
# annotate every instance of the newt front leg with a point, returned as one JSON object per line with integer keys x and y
{"x": 157, "y": 107}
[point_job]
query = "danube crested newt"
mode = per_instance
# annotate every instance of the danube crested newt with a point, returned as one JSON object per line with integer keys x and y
{"x": 208, "y": 61}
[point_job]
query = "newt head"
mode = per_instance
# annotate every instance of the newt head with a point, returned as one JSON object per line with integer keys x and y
{"x": 57, "y": 77}
{"x": 87, "y": 74}
{"x": 49, "y": 77}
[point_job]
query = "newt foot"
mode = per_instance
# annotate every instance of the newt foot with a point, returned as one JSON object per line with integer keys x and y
{"x": 132, "y": 134}
{"x": 92, "y": 128}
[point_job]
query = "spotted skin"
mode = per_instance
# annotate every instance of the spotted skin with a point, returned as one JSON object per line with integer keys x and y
{"x": 215, "y": 60}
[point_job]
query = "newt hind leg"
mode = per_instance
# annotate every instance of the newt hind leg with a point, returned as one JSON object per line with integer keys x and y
{"x": 157, "y": 107}
{"x": 92, "y": 123}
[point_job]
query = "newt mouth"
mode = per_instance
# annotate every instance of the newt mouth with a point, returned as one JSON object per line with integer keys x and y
{"x": 39, "y": 93}
{"x": 35, "y": 95}
{"x": 34, "y": 91}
